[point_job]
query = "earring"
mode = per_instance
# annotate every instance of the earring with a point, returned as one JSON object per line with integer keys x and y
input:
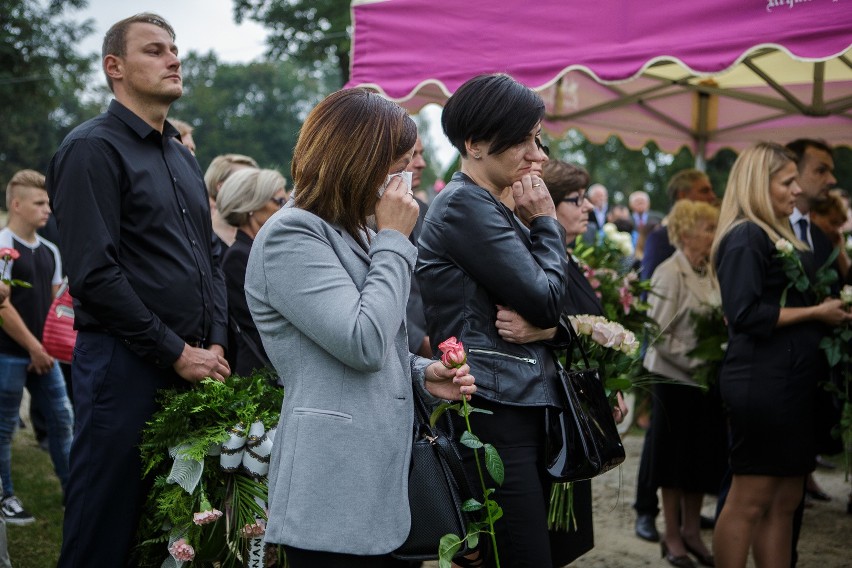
{"x": 477, "y": 156}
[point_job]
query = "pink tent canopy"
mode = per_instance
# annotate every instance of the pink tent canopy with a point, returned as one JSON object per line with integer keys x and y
{"x": 703, "y": 74}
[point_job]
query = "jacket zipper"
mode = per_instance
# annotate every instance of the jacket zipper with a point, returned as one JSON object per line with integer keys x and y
{"x": 489, "y": 352}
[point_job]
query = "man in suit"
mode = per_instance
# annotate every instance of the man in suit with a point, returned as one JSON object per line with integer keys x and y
{"x": 599, "y": 196}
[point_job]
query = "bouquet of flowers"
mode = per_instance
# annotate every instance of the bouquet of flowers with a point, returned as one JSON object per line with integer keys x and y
{"x": 615, "y": 351}
{"x": 797, "y": 276}
{"x": 617, "y": 285}
{"x": 712, "y": 334}
{"x": 838, "y": 350}
{"x": 209, "y": 449}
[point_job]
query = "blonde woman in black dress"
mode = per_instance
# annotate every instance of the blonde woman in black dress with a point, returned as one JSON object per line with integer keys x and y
{"x": 773, "y": 362}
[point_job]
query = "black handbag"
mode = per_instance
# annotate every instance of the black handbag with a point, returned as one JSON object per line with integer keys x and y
{"x": 582, "y": 438}
{"x": 437, "y": 488}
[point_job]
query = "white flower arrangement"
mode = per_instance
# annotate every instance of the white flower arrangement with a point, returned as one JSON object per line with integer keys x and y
{"x": 784, "y": 246}
{"x": 624, "y": 241}
{"x": 606, "y": 333}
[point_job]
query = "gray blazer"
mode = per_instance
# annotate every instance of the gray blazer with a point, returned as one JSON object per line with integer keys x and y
{"x": 332, "y": 319}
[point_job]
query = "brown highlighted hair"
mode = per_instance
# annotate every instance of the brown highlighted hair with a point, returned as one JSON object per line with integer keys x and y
{"x": 563, "y": 179}
{"x": 346, "y": 146}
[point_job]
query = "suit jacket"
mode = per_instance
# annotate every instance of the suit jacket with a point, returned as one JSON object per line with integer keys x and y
{"x": 678, "y": 291}
{"x": 332, "y": 319}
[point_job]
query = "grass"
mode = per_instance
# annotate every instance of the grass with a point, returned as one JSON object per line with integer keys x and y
{"x": 36, "y": 545}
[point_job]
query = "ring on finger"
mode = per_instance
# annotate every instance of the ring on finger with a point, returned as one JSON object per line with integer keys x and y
{"x": 536, "y": 185}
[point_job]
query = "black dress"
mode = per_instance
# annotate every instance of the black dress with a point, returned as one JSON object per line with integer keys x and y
{"x": 770, "y": 375}
{"x": 567, "y": 546}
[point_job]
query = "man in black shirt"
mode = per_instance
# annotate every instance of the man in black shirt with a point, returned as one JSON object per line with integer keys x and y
{"x": 150, "y": 300}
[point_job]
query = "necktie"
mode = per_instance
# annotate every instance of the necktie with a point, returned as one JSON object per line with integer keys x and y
{"x": 802, "y": 224}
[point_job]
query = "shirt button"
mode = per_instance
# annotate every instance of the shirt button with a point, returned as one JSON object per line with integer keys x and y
{"x": 193, "y": 243}
{"x": 183, "y": 211}
{"x": 203, "y": 273}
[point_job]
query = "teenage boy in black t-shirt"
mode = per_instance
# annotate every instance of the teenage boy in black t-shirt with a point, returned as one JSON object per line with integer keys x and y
{"x": 23, "y": 359}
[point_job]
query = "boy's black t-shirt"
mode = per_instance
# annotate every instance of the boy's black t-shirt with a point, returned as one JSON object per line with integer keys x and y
{"x": 39, "y": 265}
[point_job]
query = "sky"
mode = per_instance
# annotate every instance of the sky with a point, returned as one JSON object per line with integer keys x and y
{"x": 200, "y": 25}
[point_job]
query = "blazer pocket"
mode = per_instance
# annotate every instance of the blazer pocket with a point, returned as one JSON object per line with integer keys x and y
{"x": 322, "y": 413}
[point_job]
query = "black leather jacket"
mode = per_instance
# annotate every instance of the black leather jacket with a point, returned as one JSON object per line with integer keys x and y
{"x": 475, "y": 254}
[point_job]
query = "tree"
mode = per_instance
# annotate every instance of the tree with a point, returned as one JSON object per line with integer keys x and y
{"x": 311, "y": 32}
{"x": 41, "y": 80}
{"x": 254, "y": 109}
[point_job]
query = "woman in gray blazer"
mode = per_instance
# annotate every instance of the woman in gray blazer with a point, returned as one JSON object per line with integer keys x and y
{"x": 328, "y": 297}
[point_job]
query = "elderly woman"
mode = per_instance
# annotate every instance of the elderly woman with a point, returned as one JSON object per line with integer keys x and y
{"x": 476, "y": 253}
{"x": 217, "y": 172}
{"x": 328, "y": 297}
{"x": 773, "y": 363}
{"x": 246, "y": 201}
{"x": 686, "y": 425}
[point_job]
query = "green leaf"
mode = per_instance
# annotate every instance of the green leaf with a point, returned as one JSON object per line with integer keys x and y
{"x": 470, "y": 440}
{"x": 440, "y": 410}
{"x": 618, "y": 383}
{"x": 494, "y": 511}
{"x": 494, "y": 464}
{"x": 447, "y": 548}
{"x": 471, "y": 505}
{"x": 473, "y": 539}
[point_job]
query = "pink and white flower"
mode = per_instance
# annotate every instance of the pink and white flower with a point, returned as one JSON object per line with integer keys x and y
{"x": 182, "y": 551}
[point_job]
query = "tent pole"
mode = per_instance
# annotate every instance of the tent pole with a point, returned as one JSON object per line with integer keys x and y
{"x": 701, "y": 132}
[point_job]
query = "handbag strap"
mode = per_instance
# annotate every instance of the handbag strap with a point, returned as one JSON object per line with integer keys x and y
{"x": 575, "y": 339}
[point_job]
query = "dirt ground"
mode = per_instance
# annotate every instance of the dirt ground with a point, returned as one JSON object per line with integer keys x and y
{"x": 826, "y": 530}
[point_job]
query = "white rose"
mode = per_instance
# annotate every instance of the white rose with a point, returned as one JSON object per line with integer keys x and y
{"x": 846, "y": 294}
{"x": 602, "y": 334}
{"x": 784, "y": 246}
{"x": 610, "y": 229}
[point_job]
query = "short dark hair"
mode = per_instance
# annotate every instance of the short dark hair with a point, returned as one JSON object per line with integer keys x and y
{"x": 115, "y": 40}
{"x": 682, "y": 182}
{"x": 491, "y": 108}
{"x": 800, "y": 145}
{"x": 562, "y": 179}
{"x": 346, "y": 146}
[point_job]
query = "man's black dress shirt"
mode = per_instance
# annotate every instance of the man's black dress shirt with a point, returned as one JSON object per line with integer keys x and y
{"x": 136, "y": 237}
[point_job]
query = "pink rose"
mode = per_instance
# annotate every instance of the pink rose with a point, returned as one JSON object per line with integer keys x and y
{"x": 254, "y": 530}
{"x": 452, "y": 353}
{"x": 182, "y": 551}
{"x": 206, "y": 516}
{"x": 8, "y": 254}
{"x": 625, "y": 298}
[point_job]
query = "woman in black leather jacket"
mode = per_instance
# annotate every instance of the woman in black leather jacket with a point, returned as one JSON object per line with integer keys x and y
{"x": 475, "y": 254}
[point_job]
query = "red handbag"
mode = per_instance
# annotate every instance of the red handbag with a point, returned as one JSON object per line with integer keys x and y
{"x": 59, "y": 335}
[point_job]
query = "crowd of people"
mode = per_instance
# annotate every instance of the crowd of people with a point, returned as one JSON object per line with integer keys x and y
{"x": 344, "y": 285}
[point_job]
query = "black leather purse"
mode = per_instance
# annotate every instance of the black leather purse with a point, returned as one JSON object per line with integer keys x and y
{"x": 582, "y": 438}
{"x": 437, "y": 489}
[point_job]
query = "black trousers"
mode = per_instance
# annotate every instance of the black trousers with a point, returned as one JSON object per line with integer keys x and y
{"x": 114, "y": 395}
{"x": 518, "y": 435}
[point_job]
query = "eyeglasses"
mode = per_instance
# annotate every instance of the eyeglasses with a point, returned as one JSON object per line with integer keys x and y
{"x": 542, "y": 147}
{"x": 575, "y": 201}
{"x": 279, "y": 201}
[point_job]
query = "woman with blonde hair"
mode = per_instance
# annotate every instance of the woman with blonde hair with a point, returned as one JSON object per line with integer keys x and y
{"x": 246, "y": 200}
{"x": 328, "y": 297}
{"x": 773, "y": 361}
{"x": 687, "y": 433}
